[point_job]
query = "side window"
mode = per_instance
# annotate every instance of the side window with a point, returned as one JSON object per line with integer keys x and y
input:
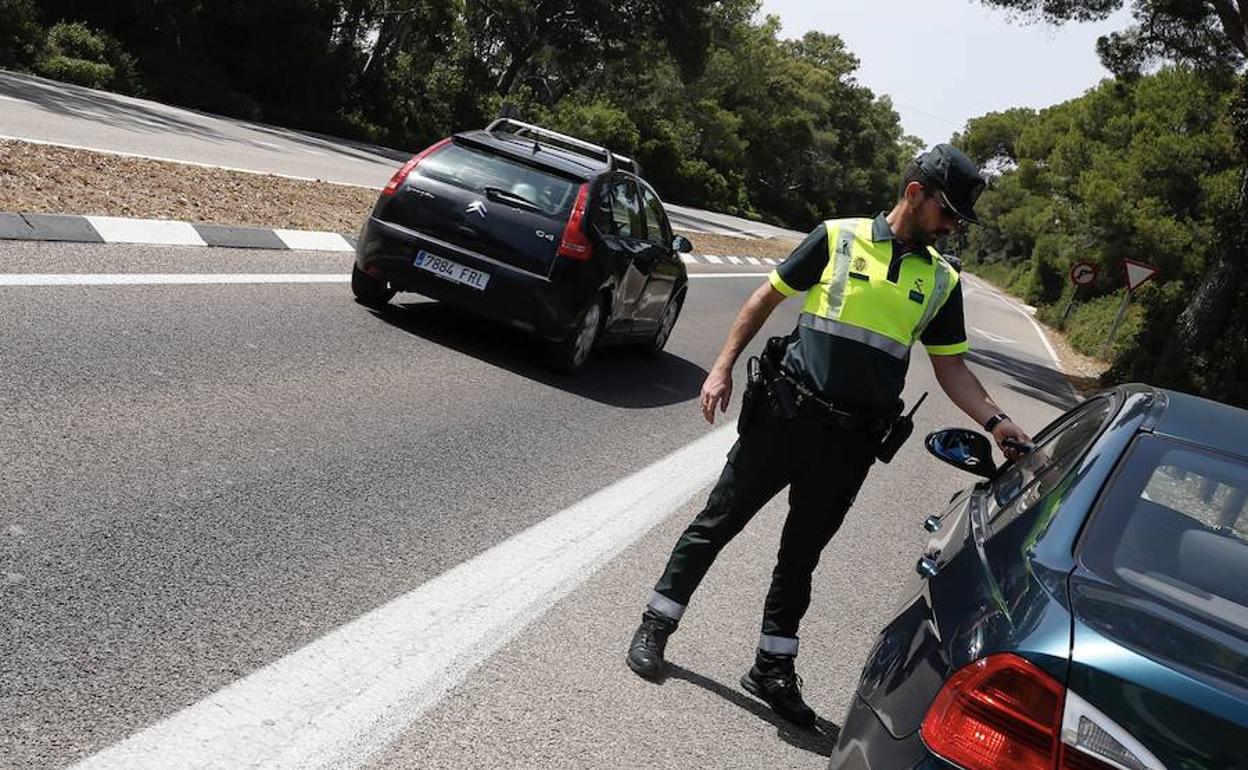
{"x": 1172, "y": 525}
{"x": 658, "y": 230}
{"x": 1058, "y": 450}
{"x": 626, "y": 220}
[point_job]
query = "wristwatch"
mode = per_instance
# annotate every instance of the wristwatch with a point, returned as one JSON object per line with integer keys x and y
{"x": 995, "y": 420}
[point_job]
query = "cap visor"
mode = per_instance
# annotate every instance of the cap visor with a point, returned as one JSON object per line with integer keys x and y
{"x": 966, "y": 214}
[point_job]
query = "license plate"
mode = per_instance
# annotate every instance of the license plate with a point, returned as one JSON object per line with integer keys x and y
{"x": 452, "y": 271}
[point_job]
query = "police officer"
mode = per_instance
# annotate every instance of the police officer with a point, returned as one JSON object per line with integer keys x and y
{"x": 872, "y": 287}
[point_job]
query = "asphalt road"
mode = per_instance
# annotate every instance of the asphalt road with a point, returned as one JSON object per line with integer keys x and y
{"x": 202, "y": 479}
{"x": 38, "y": 109}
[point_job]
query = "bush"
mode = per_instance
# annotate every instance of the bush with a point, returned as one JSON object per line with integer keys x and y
{"x": 78, "y": 71}
{"x": 77, "y": 54}
{"x": 21, "y": 37}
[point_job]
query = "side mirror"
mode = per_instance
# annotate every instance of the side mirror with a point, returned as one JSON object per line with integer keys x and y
{"x": 968, "y": 450}
{"x": 682, "y": 244}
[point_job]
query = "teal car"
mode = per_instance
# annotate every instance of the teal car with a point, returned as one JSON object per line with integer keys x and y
{"x": 1083, "y": 608}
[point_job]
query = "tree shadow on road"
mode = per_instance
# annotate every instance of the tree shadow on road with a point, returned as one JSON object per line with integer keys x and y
{"x": 613, "y": 375}
{"x": 819, "y": 740}
{"x": 1031, "y": 379}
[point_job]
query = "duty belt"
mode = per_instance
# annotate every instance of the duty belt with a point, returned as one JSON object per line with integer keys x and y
{"x": 808, "y": 401}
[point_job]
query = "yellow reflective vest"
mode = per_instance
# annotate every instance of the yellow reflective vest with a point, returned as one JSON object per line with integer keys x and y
{"x": 854, "y": 298}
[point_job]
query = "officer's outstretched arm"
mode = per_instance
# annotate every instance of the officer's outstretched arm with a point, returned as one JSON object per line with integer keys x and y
{"x": 717, "y": 390}
{"x": 965, "y": 390}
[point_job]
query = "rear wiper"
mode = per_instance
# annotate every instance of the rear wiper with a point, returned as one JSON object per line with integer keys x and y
{"x": 507, "y": 196}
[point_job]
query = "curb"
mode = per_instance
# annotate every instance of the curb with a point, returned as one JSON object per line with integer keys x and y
{"x": 164, "y": 232}
{"x": 74, "y": 228}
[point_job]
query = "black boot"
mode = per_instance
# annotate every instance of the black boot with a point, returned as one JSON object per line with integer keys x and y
{"x": 645, "y": 653}
{"x": 774, "y": 680}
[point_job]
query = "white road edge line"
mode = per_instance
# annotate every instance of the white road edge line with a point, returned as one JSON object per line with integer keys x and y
{"x": 1044, "y": 338}
{"x": 166, "y": 279}
{"x": 340, "y": 699}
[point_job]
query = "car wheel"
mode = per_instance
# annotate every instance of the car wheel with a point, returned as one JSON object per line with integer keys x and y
{"x": 568, "y": 356}
{"x": 670, "y": 313}
{"x": 368, "y": 290}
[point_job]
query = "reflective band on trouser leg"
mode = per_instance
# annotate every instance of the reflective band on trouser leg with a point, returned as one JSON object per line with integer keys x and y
{"x": 777, "y": 645}
{"x": 857, "y": 334}
{"x": 665, "y": 606}
{"x": 937, "y": 298}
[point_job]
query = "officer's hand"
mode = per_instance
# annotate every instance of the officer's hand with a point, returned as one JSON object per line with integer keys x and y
{"x": 1006, "y": 429}
{"x": 717, "y": 390}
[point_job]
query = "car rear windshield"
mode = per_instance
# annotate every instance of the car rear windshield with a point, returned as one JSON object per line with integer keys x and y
{"x": 1174, "y": 525}
{"x": 479, "y": 170}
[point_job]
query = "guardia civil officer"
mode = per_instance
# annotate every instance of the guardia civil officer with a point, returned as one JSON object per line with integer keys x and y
{"x": 871, "y": 288}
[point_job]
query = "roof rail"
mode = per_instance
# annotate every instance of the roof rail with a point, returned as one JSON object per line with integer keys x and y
{"x": 628, "y": 163}
{"x": 511, "y": 125}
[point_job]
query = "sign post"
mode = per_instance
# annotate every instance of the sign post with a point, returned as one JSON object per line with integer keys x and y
{"x": 1137, "y": 273}
{"x": 1081, "y": 274}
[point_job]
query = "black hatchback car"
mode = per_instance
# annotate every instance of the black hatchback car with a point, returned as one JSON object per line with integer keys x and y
{"x": 1084, "y": 608}
{"x": 533, "y": 228}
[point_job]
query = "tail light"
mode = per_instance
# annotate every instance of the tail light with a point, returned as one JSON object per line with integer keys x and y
{"x": 401, "y": 175}
{"x": 1004, "y": 713}
{"x": 574, "y": 243}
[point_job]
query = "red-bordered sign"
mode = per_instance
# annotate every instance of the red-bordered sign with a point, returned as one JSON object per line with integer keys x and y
{"x": 1137, "y": 273}
{"x": 1082, "y": 273}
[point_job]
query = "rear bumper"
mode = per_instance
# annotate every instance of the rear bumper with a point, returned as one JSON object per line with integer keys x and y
{"x": 549, "y": 307}
{"x": 865, "y": 744}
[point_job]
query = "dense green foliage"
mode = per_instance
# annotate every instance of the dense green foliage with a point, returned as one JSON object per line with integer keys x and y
{"x": 719, "y": 109}
{"x": 1153, "y": 167}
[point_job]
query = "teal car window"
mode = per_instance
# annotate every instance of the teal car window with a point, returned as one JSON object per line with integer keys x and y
{"x": 1174, "y": 526}
{"x": 1058, "y": 449}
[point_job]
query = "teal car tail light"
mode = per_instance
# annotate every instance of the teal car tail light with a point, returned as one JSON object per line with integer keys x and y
{"x": 1003, "y": 713}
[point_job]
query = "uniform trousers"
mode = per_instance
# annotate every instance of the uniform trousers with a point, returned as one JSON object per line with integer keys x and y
{"x": 823, "y": 465}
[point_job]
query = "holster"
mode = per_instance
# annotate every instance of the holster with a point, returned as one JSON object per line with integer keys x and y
{"x": 779, "y": 386}
{"x": 751, "y": 396}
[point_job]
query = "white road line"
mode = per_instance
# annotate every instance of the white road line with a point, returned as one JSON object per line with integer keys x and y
{"x": 770, "y": 261}
{"x": 993, "y": 336}
{"x": 267, "y": 144}
{"x": 688, "y": 260}
{"x": 158, "y": 231}
{"x": 337, "y": 701}
{"x": 138, "y": 279}
{"x": 13, "y": 99}
{"x": 733, "y": 260}
{"x": 1057, "y": 362}
{"x": 1048, "y": 346}
{"x": 174, "y": 279}
{"x": 714, "y": 260}
{"x": 753, "y": 261}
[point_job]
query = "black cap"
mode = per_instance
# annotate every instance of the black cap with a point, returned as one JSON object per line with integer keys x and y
{"x": 956, "y": 178}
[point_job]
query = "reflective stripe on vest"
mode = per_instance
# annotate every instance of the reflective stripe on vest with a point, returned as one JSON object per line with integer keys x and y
{"x": 855, "y": 300}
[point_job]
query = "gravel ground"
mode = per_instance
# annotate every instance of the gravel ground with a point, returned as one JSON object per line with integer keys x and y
{"x": 37, "y": 178}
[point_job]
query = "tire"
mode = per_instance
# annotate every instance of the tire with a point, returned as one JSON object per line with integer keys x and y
{"x": 654, "y": 346}
{"x": 568, "y": 356}
{"x": 368, "y": 290}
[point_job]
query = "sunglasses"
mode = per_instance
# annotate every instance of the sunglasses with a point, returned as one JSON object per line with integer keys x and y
{"x": 945, "y": 208}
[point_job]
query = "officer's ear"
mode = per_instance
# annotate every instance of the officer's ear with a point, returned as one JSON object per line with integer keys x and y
{"x": 914, "y": 193}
